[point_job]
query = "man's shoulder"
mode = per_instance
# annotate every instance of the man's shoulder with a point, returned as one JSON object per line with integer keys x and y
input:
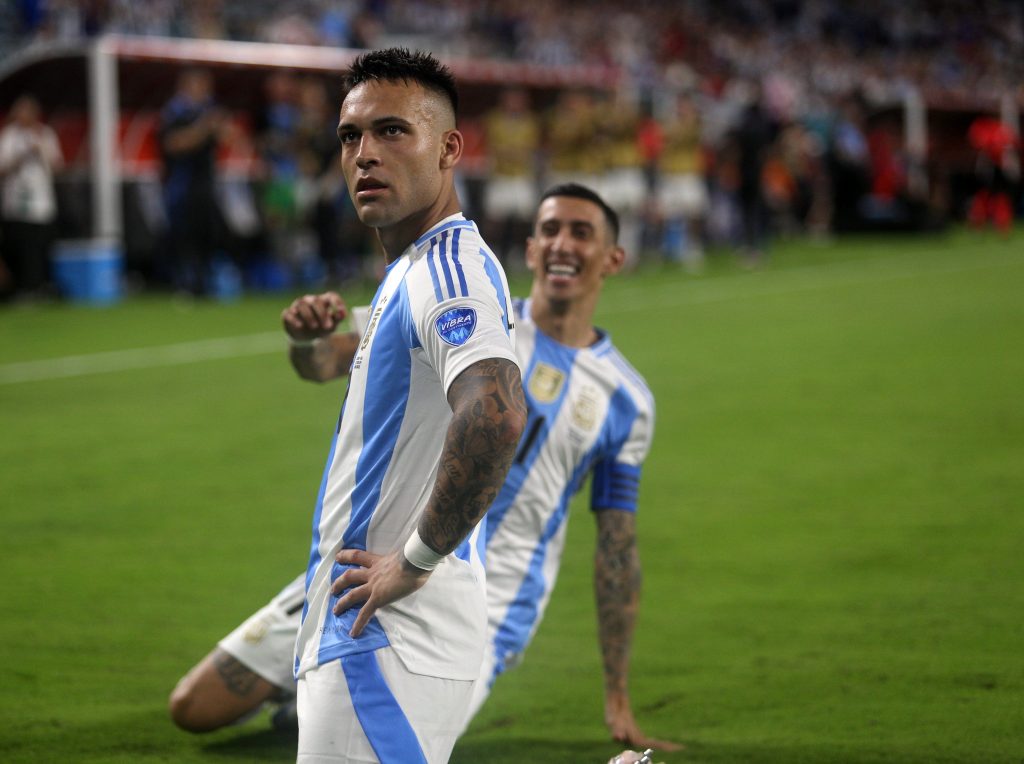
{"x": 445, "y": 229}
{"x": 452, "y": 261}
{"x": 618, "y": 368}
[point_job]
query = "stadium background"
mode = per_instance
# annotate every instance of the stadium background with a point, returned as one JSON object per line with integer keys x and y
{"x": 830, "y": 522}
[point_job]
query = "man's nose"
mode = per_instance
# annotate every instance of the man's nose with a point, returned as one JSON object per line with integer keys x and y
{"x": 562, "y": 242}
{"x": 367, "y": 155}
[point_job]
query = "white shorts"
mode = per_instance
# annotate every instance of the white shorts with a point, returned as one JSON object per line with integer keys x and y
{"x": 367, "y": 707}
{"x": 506, "y": 197}
{"x": 683, "y": 196}
{"x": 624, "y": 189}
{"x": 490, "y": 670}
{"x": 265, "y": 642}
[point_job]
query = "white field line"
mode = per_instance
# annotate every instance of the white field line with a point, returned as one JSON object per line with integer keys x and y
{"x": 740, "y": 287}
{"x": 142, "y": 358}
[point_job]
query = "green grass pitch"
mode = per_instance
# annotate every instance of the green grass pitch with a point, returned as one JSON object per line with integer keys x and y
{"x": 831, "y": 522}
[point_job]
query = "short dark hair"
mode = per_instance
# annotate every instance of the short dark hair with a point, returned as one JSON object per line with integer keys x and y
{"x": 393, "y": 64}
{"x": 578, "y": 191}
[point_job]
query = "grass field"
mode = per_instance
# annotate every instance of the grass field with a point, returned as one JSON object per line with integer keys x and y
{"x": 831, "y": 523}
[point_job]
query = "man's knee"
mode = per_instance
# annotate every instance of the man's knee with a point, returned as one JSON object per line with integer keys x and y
{"x": 189, "y": 709}
{"x": 219, "y": 691}
{"x": 182, "y": 707}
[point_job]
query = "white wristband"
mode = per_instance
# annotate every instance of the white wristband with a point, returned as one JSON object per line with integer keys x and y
{"x": 292, "y": 342}
{"x": 421, "y": 555}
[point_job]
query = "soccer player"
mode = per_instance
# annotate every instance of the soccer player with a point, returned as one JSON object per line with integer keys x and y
{"x": 393, "y": 623}
{"x": 589, "y": 412}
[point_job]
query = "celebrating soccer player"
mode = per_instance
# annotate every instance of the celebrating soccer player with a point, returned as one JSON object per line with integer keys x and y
{"x": 589, "y": 413}
{"x": 392, "y": 625}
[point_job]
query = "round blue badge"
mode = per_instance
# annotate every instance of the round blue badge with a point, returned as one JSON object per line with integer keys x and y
{"x": 455, "y": 326}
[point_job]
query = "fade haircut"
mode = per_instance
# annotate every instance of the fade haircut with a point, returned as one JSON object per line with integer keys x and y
{"x": 577, "y": 191}
{"x": 394, "y": 64}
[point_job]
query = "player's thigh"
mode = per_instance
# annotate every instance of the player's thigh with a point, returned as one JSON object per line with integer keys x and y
{"x": 369, "y": 708}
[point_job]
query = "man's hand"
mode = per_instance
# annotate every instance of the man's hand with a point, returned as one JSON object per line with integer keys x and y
{"x": 313, "y": 316}
{"x": 619, "y": 717}
{"x": 379, "y": 581}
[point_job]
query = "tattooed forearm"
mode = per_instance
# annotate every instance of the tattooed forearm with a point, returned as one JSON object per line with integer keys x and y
{"x": 617, "y": 588}
{"x": 488, "y": 416}
{"x": 325, "y": 360}
{"x": 237, "y": 678}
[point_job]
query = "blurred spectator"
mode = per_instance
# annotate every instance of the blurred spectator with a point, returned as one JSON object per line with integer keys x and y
{"x": 278, "y": 141}
{"x": 754, "y": 137}
{"x": 781, "y": 191}
{"x": 790, "y": 179}
{"x": 31, "y": 15}
{"x": 623, "y": 185}
{"x": 513, "y": 140}
{"x": 29, "y": 156}
{"x": 191, "y": 126}
{"x": 849, "y": 164}
{"x": 321, "y": 186}
{"x": 571, "y": 138}
{"x": 817, "y": 123}
{"x": 887, "y": 196}
{"x": 682, "y": 191}
{"x": 997, "y": 169}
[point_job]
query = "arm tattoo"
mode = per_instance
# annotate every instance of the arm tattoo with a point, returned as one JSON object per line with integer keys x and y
{"x": 488, "y": 415}
{"x": 236, "y": 677}
{"x": 327, "y": 359}
{"x": 617, "y": 580}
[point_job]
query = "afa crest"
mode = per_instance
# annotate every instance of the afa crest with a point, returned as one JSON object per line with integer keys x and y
{"x": 585, "y": 409}
{"x": 545, "y": 383}
{"x": 256, "y": 631}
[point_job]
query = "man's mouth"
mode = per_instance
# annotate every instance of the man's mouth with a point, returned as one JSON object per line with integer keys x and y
{"x": 369, "y": 187}
{"x": 562, "y": 270}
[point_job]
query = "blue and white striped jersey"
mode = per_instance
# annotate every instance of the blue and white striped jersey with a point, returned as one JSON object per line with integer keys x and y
{"x": 443, "y": 305}
{"x": 590, "y": 412}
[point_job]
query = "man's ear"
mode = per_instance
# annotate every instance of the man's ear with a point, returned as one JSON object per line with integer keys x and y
{"x": 451, "y": 149}
{"x": 532, "y": 257}
{"x": 615, "y": 261}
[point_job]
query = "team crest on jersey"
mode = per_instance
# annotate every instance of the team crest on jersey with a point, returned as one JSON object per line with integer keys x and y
{"x": 545, "y": 383}
{"x": 255, "y": 632}
{"x": 584, "y": 409}
{"x": 456, "y": 326}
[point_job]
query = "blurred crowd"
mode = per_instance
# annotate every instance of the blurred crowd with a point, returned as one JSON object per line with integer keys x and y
{"x": 950, "y": 47}
{"x": 725, "y": 123}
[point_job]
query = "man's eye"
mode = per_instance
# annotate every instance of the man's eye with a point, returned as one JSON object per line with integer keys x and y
{"x": 348, "y": 137}
{"x": 392, "y": 130}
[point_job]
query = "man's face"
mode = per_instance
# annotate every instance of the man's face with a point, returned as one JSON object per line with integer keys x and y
{"x": 571, "y": 250}
{"x": 197, "y": 86}
{"x": 392, "y": 142}
{"x": 25, "y": 112}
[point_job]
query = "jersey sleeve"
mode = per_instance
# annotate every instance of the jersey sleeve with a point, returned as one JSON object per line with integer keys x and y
{"x": 616, "y": 475}
{"x": 460, "y": 305}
